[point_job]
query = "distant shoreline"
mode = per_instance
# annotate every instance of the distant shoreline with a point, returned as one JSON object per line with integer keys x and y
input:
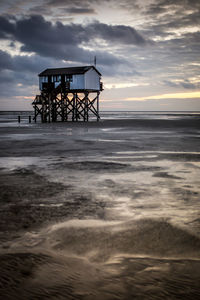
{"x": 119, "y": 111}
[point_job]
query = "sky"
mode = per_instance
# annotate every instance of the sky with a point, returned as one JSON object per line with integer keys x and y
{"x": 148, "y": 52}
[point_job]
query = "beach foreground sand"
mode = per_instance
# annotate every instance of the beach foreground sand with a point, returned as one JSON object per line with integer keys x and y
{"x": 106, "y": 210}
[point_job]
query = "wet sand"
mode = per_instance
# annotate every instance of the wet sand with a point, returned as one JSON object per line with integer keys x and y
{"x": 106, "y": 210}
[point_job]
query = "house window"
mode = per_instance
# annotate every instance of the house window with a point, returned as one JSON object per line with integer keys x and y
{"x": 44, "y": 79}
{"x": 68, "y": 78}
{"x": 56, "y": 78}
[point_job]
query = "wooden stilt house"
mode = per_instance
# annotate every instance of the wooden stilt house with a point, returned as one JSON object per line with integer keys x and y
{"x": 68, "y": 94}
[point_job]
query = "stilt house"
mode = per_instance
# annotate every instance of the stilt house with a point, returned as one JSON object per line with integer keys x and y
{"x": 68, "y": 94}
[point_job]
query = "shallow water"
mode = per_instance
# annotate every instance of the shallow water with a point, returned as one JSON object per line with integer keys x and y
{"x": 106, "y": 210}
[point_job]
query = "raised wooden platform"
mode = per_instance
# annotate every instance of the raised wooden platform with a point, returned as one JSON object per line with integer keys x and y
{"x": 62, "y": 104}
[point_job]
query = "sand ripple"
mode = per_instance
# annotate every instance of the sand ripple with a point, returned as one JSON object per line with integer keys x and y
{"x": 144, "y": 259}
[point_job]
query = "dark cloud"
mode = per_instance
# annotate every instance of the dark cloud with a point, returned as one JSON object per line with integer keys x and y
{"x": 129, "y": 5}
{"x": 78, "y": 10}
{"x": 161, "y": 6}
{"x": 16, "y": 83}
{"x": 40, "y": 9}
{"x": 75, "y": 7}
{"x": 186, "y": 84}
{"x": 189, "y": 85}
{"x": 18, "y": 69}
{"x": 21, "y": 69}
{"x": 7, "y": 27}
{"x": 58, "y": 8}
{"x": 38, "y": 29}
{"x": 22, "y": 63}
{"x": 166, "y": 15}
{"x": 125, "y": 4}
{"x": 119, "y": 33}
{"x": 168, "y": 23}
{"x": 69, "y": 2}
{"x": 5, "y": 61}
{"x": 79, "y": 3}
{"x": 64, "y": 41}
{"x": 170, "y": 83}
{"x": 187, "y": 20}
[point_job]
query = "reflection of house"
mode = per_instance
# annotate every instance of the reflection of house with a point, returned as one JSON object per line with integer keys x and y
{"x": 65, "y": 94}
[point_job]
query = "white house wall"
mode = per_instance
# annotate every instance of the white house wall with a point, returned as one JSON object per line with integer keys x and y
{"x": 92, "y": 80}
{"x": 77, "y": 82}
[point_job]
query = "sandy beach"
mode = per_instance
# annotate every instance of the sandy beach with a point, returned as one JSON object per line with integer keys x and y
{"x": 100, "y": 210}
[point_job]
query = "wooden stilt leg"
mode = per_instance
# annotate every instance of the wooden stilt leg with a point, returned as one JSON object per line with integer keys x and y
{"x": 35, "y": 116}
{"x": 97, "y": 106}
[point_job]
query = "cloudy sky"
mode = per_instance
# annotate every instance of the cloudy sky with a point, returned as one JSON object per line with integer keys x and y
{"x": 147, "y": 51}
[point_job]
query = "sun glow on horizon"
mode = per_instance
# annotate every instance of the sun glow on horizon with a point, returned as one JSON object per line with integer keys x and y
{"x": 189, "y": 95}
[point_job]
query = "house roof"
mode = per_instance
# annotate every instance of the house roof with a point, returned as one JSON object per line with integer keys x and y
{"x": 68, "y": 71}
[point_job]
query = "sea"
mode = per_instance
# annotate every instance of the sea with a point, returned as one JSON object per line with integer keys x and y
{"x": 12, "y": 116}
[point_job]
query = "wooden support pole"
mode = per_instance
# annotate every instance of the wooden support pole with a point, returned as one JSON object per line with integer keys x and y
{"x": 86, "y": 106}
{"x": 62, "y": 107}
{"x": 76, "y": 106}
{"x": 35, "y": 116}
{"x": 84, "y": 109}
{"x": 49, "y": 109}
{"x": 97, "y": 106}
{"x": 66, "y": 108}
{"x": 73, "y": 108}
{"x": 43, "y": 111}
